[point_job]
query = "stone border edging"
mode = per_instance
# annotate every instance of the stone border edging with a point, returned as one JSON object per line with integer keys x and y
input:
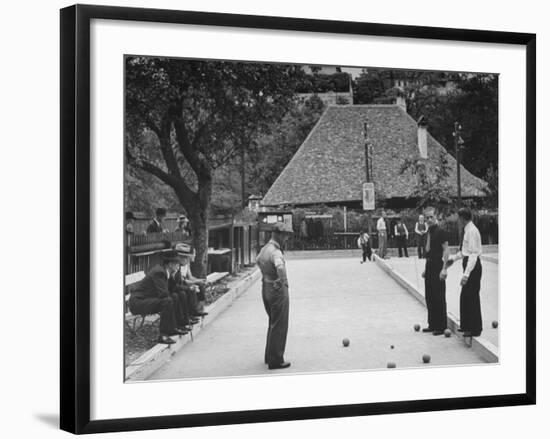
{"x": 144, "y": 366}
{"x": 485, "y": 349}
{"x": 488, "y": 258}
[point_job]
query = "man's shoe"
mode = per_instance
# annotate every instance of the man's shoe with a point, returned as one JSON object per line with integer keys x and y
{"x": 186, "y": 328}
{"x": 200, "y": 314}
{"x": 194, "y": 320}
{"x": 178, "y": 331}
{"x": 460, "y": 330}
{"x": 164, "y": 339}
{"x": 437, "y": 332}
{"x": 428, "y": 329}
{"x": 282, "y": 365}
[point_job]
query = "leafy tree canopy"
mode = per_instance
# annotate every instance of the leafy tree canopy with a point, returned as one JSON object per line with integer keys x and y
{"x": 187, "y": 118}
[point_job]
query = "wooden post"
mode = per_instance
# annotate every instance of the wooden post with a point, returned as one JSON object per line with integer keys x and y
{"x": 345, "y": 226}
{"x": 231, "y": 244}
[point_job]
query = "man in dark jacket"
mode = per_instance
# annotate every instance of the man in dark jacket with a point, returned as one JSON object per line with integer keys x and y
{"x": 156, "y": 225}
{"x": 152, "y": 295}
{"x": 435, "y": 274}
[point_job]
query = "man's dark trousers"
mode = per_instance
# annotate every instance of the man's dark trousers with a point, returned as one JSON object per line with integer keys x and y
{"x": 163, "y": 306}
{"x": 435, "y": 295}
{"x": 402, "y": 246}
{"x": 277, "y": 307}
{"x": 367, "y": 252}
{"x": 470, "y": 305}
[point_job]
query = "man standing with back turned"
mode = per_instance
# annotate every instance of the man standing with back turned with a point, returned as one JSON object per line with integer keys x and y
{"x": 435, "y": 274}
{"x": 275, "y": 295}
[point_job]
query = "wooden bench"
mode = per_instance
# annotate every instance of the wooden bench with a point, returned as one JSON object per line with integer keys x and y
{"x": 130, "y": 280}
{"x": 133, "y": 278}
{"x": 216, "y": 276}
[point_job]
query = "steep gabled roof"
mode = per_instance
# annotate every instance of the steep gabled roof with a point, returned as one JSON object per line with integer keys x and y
{"x": 330, "y": 165}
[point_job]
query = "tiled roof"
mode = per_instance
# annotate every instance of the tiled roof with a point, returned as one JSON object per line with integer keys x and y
{"x": 330, "y": 164}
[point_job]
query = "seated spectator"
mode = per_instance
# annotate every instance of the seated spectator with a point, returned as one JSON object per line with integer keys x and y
{"x": 152, "y": 295}
{"x": 195, "y": 288}
{"x": 156, "y": 226}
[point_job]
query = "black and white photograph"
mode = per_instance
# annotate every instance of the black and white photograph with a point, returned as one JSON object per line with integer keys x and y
{"x": 307, "y": 219}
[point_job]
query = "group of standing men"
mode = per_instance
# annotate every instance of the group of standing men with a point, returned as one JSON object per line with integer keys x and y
{"x": 401, "y": 234}
{"x": 438, "y": 260}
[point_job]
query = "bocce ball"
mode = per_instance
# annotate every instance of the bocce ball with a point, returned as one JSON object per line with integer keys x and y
{"x": 391, "y": 347}
{"x": 447, "y": 333}
{"x": 417, "y": 327}
{"x": 426, "y": 358}
{"x": 391, "y": 365}
{"x": 495, "y": 324}
{"x": 345, "y": 342}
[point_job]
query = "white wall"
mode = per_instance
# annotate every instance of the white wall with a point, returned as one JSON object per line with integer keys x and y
{"x": 29, "y": 172}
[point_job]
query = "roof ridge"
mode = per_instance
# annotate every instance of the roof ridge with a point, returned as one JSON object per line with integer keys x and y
{"x": 364, "y": 105}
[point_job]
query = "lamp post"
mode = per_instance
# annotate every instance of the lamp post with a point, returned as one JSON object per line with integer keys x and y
{"x": 458, "y": 146}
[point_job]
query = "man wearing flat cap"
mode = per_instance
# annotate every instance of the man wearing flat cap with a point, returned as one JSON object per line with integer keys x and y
{"x": 152, "y": 295}
{"x": 275, "y": 295}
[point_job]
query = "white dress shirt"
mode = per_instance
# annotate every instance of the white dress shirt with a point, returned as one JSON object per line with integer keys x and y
{"x": 471, "y": 247}
{"x": 381, "y": 224}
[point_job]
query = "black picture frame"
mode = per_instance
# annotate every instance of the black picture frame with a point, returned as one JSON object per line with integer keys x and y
{"x": 75, "y": 217}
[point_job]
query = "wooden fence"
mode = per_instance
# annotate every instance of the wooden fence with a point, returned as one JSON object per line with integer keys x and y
{"x": 239, "y": 239}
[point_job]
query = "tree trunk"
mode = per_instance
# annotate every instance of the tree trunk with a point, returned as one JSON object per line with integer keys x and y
{"x": 197, "y": 210}
{"x": 199, "y": 228}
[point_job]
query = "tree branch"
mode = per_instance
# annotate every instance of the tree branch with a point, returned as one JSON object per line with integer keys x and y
{"x": 150, "y": 123}
{"x": 201, "y": 167}
{"x": 156, "y": 171}
{"x": 166, "y": 147}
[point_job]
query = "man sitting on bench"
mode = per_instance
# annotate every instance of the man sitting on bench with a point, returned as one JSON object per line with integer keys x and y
{"x": 193, "y": 287}
{"x": 152, "y": 295}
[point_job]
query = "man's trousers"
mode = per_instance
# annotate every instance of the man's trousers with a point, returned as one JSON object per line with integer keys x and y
{"x": 367, "y": 252}
{"x": 276, "y": 305}
{"x": 163, "y": 306}
{"x": 435, "y": 295}
{"x": 382, "y": 243}
{"x": 470, "y": 304}
{"x": 402, "y": 246}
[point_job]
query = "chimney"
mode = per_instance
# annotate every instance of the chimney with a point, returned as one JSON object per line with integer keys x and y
{"x": 423, "y": 137}
{"x": 401, "y": 102}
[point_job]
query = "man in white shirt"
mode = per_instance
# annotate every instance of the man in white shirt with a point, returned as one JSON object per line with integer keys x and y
{"x": 470, "y": 252}
{"x": 382, "y": 235}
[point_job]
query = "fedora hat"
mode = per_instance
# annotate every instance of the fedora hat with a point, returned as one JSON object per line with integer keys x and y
{"x": 183, "y": 249}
